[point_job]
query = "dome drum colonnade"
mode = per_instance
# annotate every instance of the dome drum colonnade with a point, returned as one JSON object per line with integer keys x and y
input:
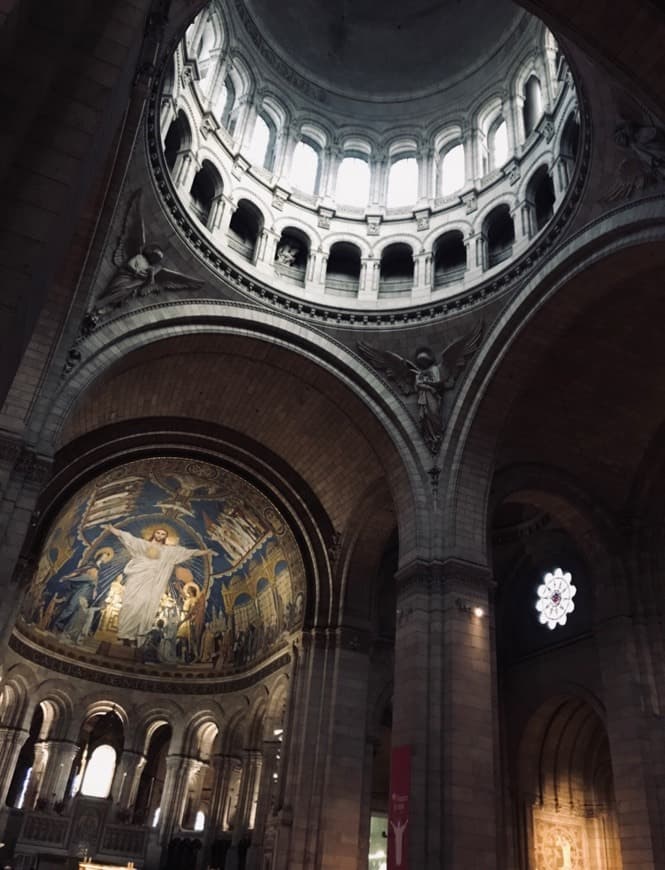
{"x": 526, "y": 178}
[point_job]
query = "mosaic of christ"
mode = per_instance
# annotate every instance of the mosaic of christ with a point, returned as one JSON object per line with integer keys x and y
{"x": 167, "y": 562}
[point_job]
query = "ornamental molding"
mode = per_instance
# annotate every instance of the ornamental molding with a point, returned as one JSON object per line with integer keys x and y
{"x": 190, "y": 685}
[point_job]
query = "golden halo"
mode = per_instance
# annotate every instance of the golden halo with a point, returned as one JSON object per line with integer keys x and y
{"x": 172, "y": 536}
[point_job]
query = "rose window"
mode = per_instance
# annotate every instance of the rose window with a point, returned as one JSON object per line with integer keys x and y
{"x": 555, "y": 598}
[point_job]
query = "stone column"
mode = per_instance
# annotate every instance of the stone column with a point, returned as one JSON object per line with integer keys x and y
{"x": 166, "y": 115}
{"x": 334, "y": 155}
{"x": 422, "y": 286}
{"x": 284, "y": 157}
{"x": 444, "y": 710}
{"x": 218, "y": 85}
{"x": 425, "y": 173}
{"x": 244, "y": 819}
{"x": 636, "y": 756}
{"x": 127, "y": 778}
{"x": 268, "y": 247}
{"x": 61, "y": 757}
{"x": 23, "y": 474}
{"x": 378, "y": 179}
{"x": 368, "y": 286}
{"x": 472, "y": 167}
{"x": 174, "y": 795}
{"x": 11, "y": 743}
{"x": 268, "y": 771}
{"x": 516, "y": 122}
{"x": 245, "y": 114}
{"x": 33, "y": 790}
{"x": 323, "y": 258}
{"x": 184, "y": 170}
{"x": 321, "y": 796}
{"x": 216, "y": 213}
{"x": 224, "y": 767}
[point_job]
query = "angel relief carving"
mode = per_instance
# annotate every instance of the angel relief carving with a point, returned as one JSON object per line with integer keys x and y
{"x": 426, "y": 377}
{"x": 140, "y": 271}
{"x": 643, "y": 167}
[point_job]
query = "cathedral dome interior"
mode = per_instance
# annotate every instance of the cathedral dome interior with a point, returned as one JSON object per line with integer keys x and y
{"x": 331, "y": 430}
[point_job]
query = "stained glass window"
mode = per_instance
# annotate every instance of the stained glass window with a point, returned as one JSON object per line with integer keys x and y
{"x": 555, "y": 598}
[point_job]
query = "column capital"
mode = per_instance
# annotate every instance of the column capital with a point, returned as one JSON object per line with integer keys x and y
{"x": 424, "y": 576}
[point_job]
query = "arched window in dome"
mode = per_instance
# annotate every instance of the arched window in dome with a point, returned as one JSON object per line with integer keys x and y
{"x": 262, "y": 146}
{"x": 206, "y": 188}
{"x": 200, "y": 821}
{"x": 449, "y": 258}
{"x": 93, "y": 770}
{"x": 292, "y": 255}
{"x": 533, "y": 104}
{"x": 353, "y": 179}
{"x": 452, "y": 171}
{"x": 245, "y": 229}
{"x": 343, "y": 269}
{"x": 178, "y": 139}
{"x": 226, "y": 102}
{"x": 497, "y": 144}
{"x": 540, "y": 199}
{"x": 499, "y": 233}
{"x": 396, "y": 273}
{"x": 99, "y": 771}
{"x": 305, "y": 167}
{"x": 402, "y": 182}
{"x": 570, "y": 138}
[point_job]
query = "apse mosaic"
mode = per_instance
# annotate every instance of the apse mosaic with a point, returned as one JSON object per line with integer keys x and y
{"x": 167, "y": 562}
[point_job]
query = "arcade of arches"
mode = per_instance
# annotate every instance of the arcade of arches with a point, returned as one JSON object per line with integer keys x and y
{"x": 331, "y": 436}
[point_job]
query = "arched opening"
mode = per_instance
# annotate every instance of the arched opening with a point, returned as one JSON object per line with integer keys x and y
{"x": 499, "y": 232}
{"x": 497, "y": 144}
{"x": 566, "y": 798}
{"x": 540, "y": 199}
{"x": 23, "y": 789}
{"x": 570, "y": 139}
{"x": 292, "y": 255}
{"x": 206, "y": 187}
{"x": 449, "y": 258}
{"x": 396, "y": 274}
{"x": 353, "y": 180}
{"x": 245, "y": 229}
{"x": 261, "y": 151}
{"x": 533, "y": 104}
{"x": 102, "y": 732}
{"x": 149, "y": 795}
{"x": 402, "y": 182}
{"x": 452, "y": 171}
{"x": 178, "y": 139}
{"x": 305, "y": 167}
{"x": 99, "y": 771}
{"x": 343, "y": 269}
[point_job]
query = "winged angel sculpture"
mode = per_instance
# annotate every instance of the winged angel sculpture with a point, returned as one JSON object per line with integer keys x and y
{"x": 140, "y": 271}
{"x": 426, "y": 377}
{"x": 644, "y": 164}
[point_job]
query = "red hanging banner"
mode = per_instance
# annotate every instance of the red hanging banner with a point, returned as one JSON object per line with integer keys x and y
{"x": 398, "y": 808}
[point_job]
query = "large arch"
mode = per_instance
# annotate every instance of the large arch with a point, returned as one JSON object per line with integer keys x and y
{"x": 565, "y": 291}
{"x": 330, "y": 378}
